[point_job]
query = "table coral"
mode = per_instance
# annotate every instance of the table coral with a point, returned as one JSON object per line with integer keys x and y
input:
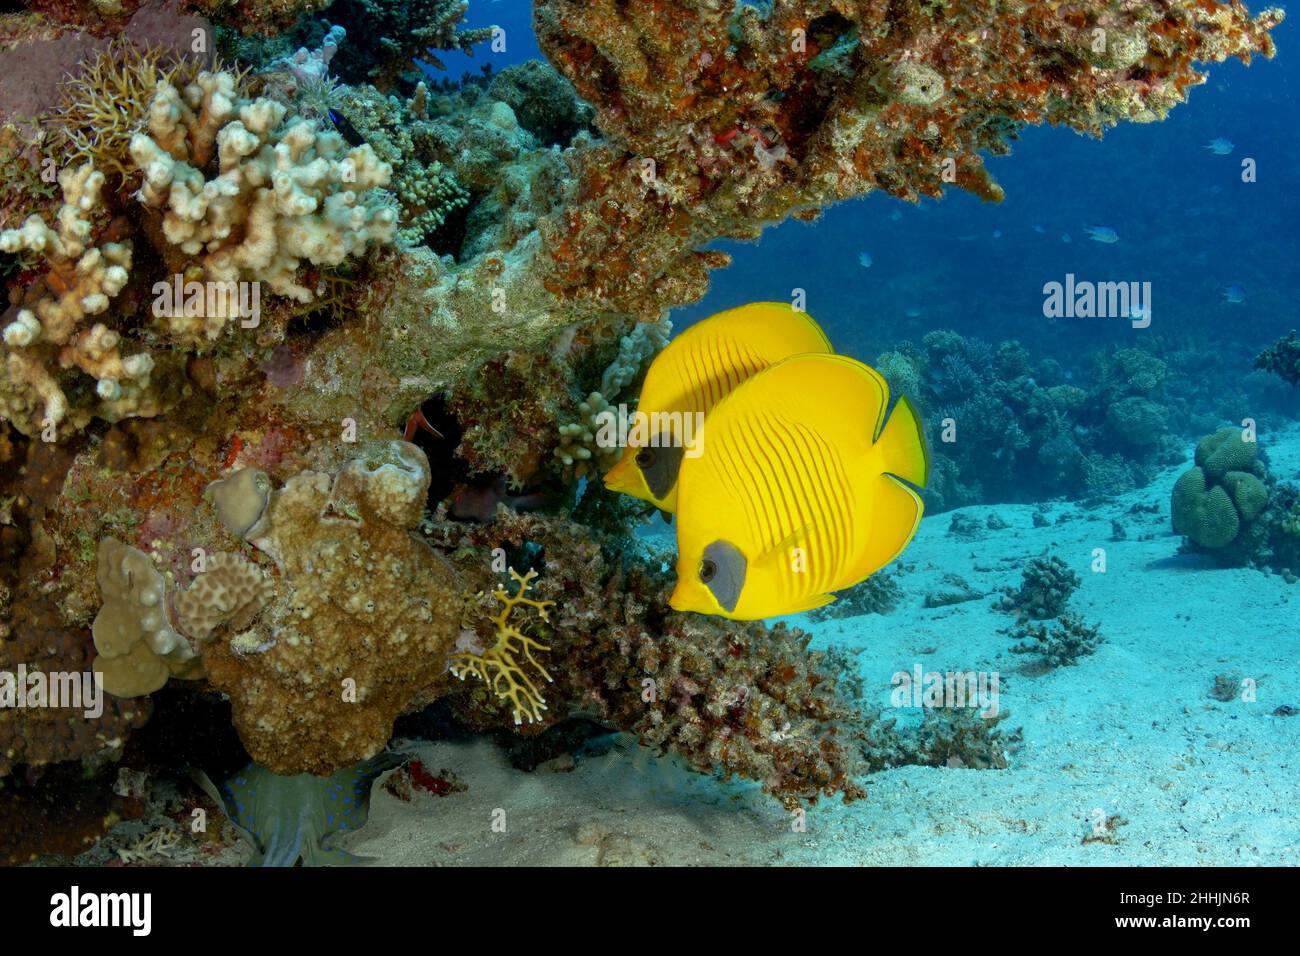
{"x": 401, "y": 32}
{"x": 362, "y": 622}
{"x": 753, "y": 113}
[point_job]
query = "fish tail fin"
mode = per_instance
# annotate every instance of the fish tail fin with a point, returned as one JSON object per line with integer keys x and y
{"x": 902, "y": 445}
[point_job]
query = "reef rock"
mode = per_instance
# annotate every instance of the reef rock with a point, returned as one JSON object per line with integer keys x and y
{"x": 360, "y": 627}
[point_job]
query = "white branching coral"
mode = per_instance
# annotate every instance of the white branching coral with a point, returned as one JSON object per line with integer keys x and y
{"x": 54, "y": 330}
{"x": 283, "y": 192}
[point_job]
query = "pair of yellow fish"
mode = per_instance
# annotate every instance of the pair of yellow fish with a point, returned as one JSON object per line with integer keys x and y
{"x": 792, "y": 489}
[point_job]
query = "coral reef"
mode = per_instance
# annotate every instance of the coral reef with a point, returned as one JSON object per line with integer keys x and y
{"x": 1006, "y": 428}
{"x": 1282, "y": 358}
{"x": 749, "y": 702}
{"x": 549, "y": 217}
{"x": 750, "y": 114}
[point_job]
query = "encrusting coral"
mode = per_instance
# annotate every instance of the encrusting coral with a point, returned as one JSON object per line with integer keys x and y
{"x": 362, "y": 623}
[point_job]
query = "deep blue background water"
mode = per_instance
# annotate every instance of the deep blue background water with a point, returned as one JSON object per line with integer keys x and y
{"x": 1186, "y": 221}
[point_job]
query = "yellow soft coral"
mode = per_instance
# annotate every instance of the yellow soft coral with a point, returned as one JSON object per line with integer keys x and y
{"x": 499, "y": 666}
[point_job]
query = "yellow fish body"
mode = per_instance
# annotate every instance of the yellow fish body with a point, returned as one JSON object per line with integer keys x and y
{"x": 797, "y": 493}
{"x": 693, "y": 374}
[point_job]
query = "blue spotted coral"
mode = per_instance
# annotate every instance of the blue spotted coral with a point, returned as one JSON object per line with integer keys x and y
{"x": 288, "y": 818}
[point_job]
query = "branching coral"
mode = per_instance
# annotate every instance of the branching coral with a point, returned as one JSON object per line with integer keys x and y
{"x": 501, "y": 665}
{"x": 49, "y": 329}
{"x": 283, "y": 191}
{"x": 748, "y": 701}
{"x": 404, "y": 33}
{"x": 1045, "y": 589}
{"x": 1282, "y": 358}
{"x": 1061, "y": 644}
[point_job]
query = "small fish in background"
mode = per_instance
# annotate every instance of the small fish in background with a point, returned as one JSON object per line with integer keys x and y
{"x": 1065, "y": 237}
{"x": 912, "y": 312}
{"x": 1039, "y": 229}
{"x": 1220, "y": 146}
{"x": 997, "y": 233}
{"x": 1102, "y": 234}
{"x": 346, "y": 129}
{"x": 865, "y": 260}
{"x": 896, "y": 215}
{"x": 1234, "y": 294}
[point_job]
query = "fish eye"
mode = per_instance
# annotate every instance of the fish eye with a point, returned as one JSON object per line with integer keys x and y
{"x": 645, "y": 458}
{"x": 707, "y": 570}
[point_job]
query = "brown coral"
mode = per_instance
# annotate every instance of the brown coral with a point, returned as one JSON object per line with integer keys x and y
{"x": 364, "y": 617}
{"x": 230, "y": 593}
{"x": 747, "y": 701}
{"x": 721, "y": 117}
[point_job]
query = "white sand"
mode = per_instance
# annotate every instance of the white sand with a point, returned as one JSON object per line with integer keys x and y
{"x": 1129, "y": 732}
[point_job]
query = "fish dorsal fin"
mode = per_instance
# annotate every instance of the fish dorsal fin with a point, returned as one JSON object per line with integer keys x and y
{"x": 709, "y": 360}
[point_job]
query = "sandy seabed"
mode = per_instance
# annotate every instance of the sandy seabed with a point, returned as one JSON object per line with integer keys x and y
{"x": 1129, "y": 735}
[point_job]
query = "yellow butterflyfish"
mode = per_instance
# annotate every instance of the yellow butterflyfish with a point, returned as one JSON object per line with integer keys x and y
{"x": 693, "y": 374}
{"x": 798, "y": 491}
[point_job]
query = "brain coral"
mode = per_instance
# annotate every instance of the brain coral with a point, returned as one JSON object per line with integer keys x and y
{"x": 362, "y": 622}
{"x": 1216, "y": 504}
